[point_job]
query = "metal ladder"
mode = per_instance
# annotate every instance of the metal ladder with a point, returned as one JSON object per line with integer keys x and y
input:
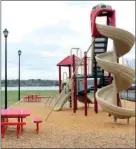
{"x": 100, "y": 46}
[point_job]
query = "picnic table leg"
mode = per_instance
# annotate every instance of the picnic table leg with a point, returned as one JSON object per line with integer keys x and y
{"x": 5, "y": 120}
{"x": 2, "y": 130}
{"x": 18, "y": 127}
{"x": 18, "y": 119}
{"x": 37, "y": 128}
{"x": 18, "y": 130}
{"x": 21, "y": 125}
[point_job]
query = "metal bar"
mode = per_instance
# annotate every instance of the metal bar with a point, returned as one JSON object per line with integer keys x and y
{"x": 19, "y": 80}
{"x": 6, "y": 73}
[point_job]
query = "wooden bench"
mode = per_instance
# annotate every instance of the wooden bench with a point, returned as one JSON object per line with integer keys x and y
{"x": 37, "y": 120}
{"x": 18, "y": 124}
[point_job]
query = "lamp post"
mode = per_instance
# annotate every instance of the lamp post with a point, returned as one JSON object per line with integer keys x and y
{"x": 19, "y": 54}
{"x": 5, "y": 32}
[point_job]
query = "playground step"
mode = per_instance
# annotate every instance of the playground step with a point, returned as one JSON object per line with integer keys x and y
{"x": 100, "y": 45}
{"x": 100, "y": 39}
{"x": 99, "y": 50}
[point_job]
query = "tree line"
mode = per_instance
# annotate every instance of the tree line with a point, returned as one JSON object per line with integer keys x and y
{"x": 30, "y": 82}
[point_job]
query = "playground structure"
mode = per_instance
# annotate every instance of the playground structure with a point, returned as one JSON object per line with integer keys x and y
{"x": 104, "y": 65}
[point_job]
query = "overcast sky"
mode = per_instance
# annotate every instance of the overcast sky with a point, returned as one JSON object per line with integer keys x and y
{"x": 45, "y": 31}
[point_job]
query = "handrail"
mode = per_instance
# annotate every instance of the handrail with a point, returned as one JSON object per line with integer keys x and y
{"x": 69, "y": 80}
{"x": 75, "y": 49}
{"x": 53, "y": 94}
{"x": 56, "y": 94}
{"x": 78, "y": 49}
{"x": 88, "y": 64}
{"x": 47, "y": 101}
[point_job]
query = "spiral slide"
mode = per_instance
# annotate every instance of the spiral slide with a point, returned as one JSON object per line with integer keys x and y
{"x": 123, "y": 76}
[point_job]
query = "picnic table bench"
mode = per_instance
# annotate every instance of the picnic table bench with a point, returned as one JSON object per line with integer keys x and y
{"x": 18, "y": 124}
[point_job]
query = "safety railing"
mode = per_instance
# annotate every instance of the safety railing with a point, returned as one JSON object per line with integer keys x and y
{"x": 78, "y": 54}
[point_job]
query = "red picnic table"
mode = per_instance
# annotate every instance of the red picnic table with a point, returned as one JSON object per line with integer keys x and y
{"x": 33, "y": 98}
{"x": 15, "y": 113}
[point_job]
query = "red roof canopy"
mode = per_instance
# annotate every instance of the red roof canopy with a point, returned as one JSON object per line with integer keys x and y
{"x": 67, "y": 61}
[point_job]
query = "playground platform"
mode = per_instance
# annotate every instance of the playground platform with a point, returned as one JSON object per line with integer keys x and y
{"x": 66, "y": 129}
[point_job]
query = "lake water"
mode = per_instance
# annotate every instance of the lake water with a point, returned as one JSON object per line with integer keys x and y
{"x": 32, "y": 88}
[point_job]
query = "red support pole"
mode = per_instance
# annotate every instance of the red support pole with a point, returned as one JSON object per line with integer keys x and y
{"x": 85, "y": 82}
{"x": 75, "y": 93}
{"x": 59, "y": 79}
{"x": 118, "y": 98}
{"x": 110, "y": 80}
{"x": 95, "y": 90}
{"x": 74, "y": 84}
{"x": 70, "y": 103}
{"x": 69, "y": 72}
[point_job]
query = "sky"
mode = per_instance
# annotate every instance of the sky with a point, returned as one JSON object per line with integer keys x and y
{"x": 45, "y": 31}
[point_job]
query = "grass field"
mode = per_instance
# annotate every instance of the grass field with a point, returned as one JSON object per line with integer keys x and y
{"x": 13, "y": 95}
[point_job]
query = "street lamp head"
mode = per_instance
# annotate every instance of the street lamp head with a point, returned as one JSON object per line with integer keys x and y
{"x": 5, "y": 32}
{"x": 19, "y": 52}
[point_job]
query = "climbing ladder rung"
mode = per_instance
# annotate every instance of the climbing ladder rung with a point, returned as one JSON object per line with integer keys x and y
{"x": 100, "y": 39}
{"x": 99, "y": 50}
{"x": 101, "y": 45}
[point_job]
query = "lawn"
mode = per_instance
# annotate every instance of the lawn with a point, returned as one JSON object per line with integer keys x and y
{"x": 13, "y": 95}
